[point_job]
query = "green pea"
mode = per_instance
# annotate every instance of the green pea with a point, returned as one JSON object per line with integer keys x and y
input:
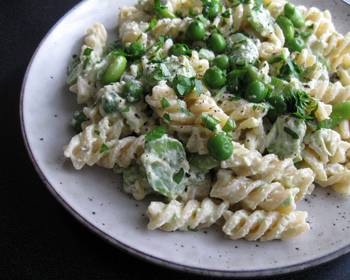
{"x": 195, "y": 31}
{"x": 286, "y": 26}
{"x": 252, "y": 74}
{"x": 256, "y": 92}
{"x": 136, "y": 50}
{"x": 115, "y": 70}
{"x": 296, "y": 44}
{"x": 234, "y": 80}
{"x": 216, "y": 43}
{"x": 212, "y": 10}
{"x": 229, "y": 126}
{"x": 221, "y": 61}
{"x": 179, "y": 49}
{"x": 133, "y": 92}
{"x": 279, "y": 104}
{"x": 77, "y": 121}
{"x": 215, "y": 78}
{"x": 220, "y": 146}
{"x": 294, "y": 15}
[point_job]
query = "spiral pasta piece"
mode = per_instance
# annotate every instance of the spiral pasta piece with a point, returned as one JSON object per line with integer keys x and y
{"x": 264, "y": 226}
{"x": 93, "y": 142}
{"x": 323, "y": 147}
{"x": 275, "y": 7}
{"x": 327, "y": 92}
{"x": 338, "y": 178}
{"x": 123, "y": 152}
{"x": 91, "y": 62}
{"x": 322, "y": 27}
{"x": 314, "y": 69}
{"x": 199, "y": 104}
{"x": 184, "y": 216}
{"x": 253, "y": 194}
{"x": 175, "y": 108}
{"x": 269, "y": 168}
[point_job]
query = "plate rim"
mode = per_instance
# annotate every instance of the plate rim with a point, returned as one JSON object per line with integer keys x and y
{"x": 132, "y": 250}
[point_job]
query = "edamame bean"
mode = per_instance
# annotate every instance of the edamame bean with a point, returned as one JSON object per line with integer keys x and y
{"x": 114, "y": 70}
{"x": 287, "y": 27}
{"x": 294, "y": 15}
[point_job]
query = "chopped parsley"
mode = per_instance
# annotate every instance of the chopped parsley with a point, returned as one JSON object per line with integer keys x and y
{"x": 104, "y": 148}
{"x": 292, "y": 133}
{"x": 183, "y": 85}
{"x": 165, "y": 103}
{"x": 155, "y": 134}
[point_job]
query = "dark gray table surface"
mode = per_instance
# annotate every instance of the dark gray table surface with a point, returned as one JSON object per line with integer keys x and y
{"x": 38, "y": 238}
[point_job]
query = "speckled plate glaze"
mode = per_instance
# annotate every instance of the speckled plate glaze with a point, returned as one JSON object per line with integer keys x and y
{"x": 94, "y": 197}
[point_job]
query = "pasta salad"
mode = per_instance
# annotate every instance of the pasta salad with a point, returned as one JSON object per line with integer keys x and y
{"x": 223, "y": 112}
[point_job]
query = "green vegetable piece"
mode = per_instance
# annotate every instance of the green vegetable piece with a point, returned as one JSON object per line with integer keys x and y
{"x": 241, "y": 50}
{"x": 155, "y": 134}
{"x": 209, "y": 121}
{"x": 341, "y": 112}
{"x": 234, "y": 81}
{"x": 73, "y": 70}
{"x": 162, "y": 11}
{"x": 221, "y": 61}
{"x": 220, "y": 147}
{"x": 77, "y": 121}
{"x": 287, "y": 27}
{"x": 183, "y": 85}
{"x": 260, "y": 20}
{"x": 211, "y": 8}
{"x": 278, "y": 103}
{"x": 215, "y": 78}
{"x": 136, "y": 50}
{"x": 285, "y": 138}
{"x": 133, "y": 92}
{"x": 195, "y": 31}
{"x": 256, "y": 92}
{"x": 252, "y": 74}
{"x": 115, "y": 70}
{"x": 229, "y": 126}
{"x": 216, "y": 43}
{"x": 179, "y": 176}
{"x": 203, "y": 163}
{"x": 111, "y": 102}
{"x": 165, "y": 163}
{"x": 180, "y": 49}
{"x": 296, "y": 44}
{"x": 294, "y": 15}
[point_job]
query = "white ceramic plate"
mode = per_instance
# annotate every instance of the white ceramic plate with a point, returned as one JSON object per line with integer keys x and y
{"x": 93, "y": 195}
